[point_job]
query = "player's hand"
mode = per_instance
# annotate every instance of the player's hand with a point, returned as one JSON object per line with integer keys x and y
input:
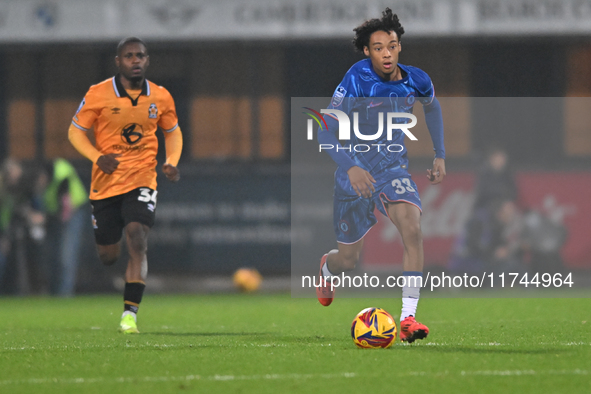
{"x": 436, "y": 175}
{"x": 171, "y": 172}
{"x": 108, "y": 163}
{"x": 361, "y": 181}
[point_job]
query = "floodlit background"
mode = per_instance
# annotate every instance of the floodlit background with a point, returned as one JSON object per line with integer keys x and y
{"x": 233, "y": 66}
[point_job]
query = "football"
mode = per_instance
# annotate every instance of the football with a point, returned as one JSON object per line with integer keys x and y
{"x": 247, "y": 279}
{"x": 373, "y": 328}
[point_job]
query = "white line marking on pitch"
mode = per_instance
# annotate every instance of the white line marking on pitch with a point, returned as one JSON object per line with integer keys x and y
{"x": 225, "y": 378}
{"x": 525, "y": 372}
{"x": 219, "y": 378}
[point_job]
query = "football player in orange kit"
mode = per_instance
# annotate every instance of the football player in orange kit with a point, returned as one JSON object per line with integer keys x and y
{"x": 125, "y": 112}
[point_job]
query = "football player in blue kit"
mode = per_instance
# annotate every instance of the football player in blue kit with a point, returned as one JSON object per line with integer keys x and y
{"x": 374, "y": 173}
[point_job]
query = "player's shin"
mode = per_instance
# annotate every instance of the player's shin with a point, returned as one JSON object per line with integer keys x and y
{"x": 132, "y": 296}
{"x": 411, "y": 293}
{"x": 410, "y": 329}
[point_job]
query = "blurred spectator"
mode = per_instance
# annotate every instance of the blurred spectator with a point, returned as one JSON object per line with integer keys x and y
{"x": 491, "y": 237}
{"x": 494, "y": 181}
{"x": 22, "y": 223}
{"x": 544, "y": 236}
{"x": 5, "y": 212}
{"x": 65, "y": 201}
{"x": 507, "y": 247}
{"x": 491, "y": 241}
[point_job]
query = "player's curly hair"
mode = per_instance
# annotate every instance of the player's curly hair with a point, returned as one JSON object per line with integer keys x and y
{"x": 389, "y": 22}
{"x": 129, "y": 40}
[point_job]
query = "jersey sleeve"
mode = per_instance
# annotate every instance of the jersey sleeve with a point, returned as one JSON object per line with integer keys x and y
{"x": 434, "y": 121}
{"x": 168, "y": 120}
{"x": 342, "y": 100}
{"x": 431, "y": 107}
{"x": 174, "y": 146}
{"x": 344, "y": 94}
{"x": 80, "y": 141}
{"x": 424, "y": 86}
{"x": 88, "y": 111}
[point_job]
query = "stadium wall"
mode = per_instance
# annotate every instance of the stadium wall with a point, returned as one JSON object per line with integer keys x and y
{"x": 243, "y": 118}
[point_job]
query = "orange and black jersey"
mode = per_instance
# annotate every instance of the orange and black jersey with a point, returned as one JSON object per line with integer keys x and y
{"x": 125, "y": 123}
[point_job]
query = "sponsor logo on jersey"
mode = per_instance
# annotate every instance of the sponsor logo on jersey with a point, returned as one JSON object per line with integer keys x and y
{"x": 132, "y": 133}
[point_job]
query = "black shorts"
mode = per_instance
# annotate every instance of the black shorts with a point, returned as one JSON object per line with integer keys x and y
{"x": 111, "y": 215}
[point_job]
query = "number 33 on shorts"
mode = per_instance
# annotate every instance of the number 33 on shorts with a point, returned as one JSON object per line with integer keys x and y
{"x": 403, "y": 185}
{"x": 401, "y": 189}
{"x": 148, "y": 196}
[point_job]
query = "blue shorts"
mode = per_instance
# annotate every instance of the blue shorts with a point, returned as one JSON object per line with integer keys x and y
{"x": 354, "y": 216}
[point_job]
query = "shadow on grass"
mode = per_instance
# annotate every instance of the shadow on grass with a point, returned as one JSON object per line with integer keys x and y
{"x": 277, "y": 337}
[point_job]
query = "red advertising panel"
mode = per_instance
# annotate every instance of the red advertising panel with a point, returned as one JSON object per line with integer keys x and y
{"x": 563, "y": 197}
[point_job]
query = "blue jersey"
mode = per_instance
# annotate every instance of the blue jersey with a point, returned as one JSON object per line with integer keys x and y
{"x": 363, "y": 92}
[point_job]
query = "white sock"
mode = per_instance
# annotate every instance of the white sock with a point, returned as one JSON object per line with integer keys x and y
{"x": 129, "y": 313}
{"x": 411, "y": 293}
{"x": 325, "y": 271}
{"x": 409, "y": 307}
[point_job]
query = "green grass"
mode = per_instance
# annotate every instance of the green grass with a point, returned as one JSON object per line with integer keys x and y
{"x": 275, "y": 344}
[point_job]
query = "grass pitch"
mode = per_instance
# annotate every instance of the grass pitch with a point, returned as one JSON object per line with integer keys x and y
{"x": 275, "y": 344}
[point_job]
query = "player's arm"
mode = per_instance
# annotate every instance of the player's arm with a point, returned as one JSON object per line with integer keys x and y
{"x": 434, "y": 120}
{"x": 360, "y": 179}
{"x": 79, "y": 139}
{"x": 77, "y": 134}
{"x": 173, "y": 138}
{"x": 174, "y": 146}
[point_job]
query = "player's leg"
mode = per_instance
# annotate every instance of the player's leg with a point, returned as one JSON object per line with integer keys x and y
{"x": 333, "y": 263}
{"x": 108, "y": 222}
{"x": 353, "y": 218}
{"x": 136, "y": 235}
{"x": 343, "y": 259}
{"x": 407, "y": 219}
{"x": 108, "y": 226}
{"x": 109, "y": 254}
{"x": 138, "y": 210}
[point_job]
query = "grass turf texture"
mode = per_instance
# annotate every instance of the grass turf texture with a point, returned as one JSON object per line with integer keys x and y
{"x": 276, "y": 344}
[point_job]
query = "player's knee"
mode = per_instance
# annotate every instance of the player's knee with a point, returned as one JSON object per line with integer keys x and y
{"x": 413, "y": 233}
